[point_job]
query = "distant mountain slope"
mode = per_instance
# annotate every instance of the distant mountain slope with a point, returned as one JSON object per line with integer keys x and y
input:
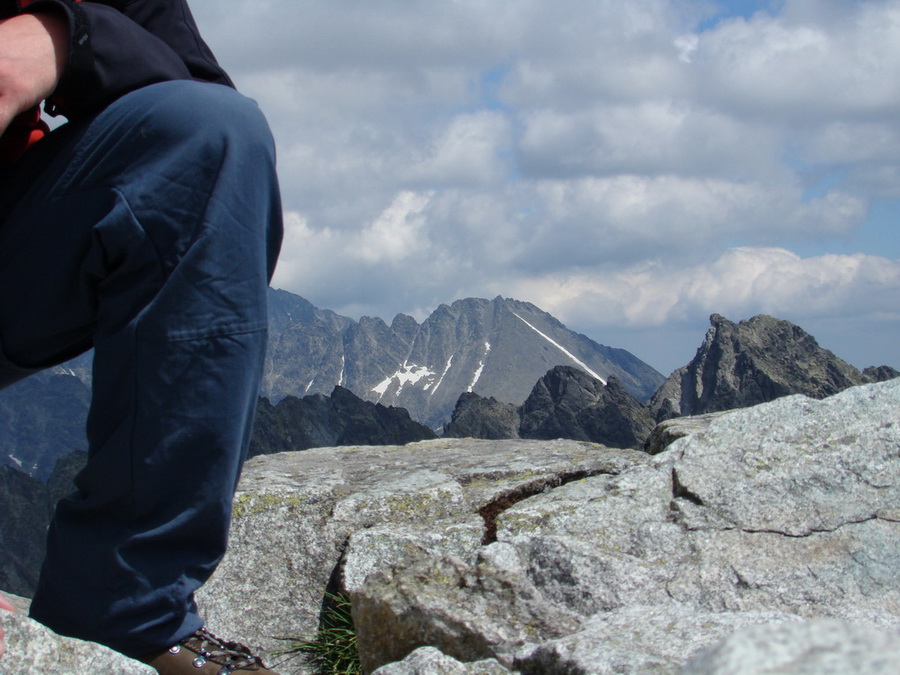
{"x": 42, "y": 419}
{"x": 496, "y": 348}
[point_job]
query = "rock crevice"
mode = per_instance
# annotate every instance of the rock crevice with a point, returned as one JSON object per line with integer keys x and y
{"x": 493, "y": 509}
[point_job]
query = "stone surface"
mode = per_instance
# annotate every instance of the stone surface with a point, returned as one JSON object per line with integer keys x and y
{"x": 784, "y": 510}
{"x": 306, "y": 521}
{"x": 537, "y": 553}
{"x": 821, "y": 647}
{"x": 667, "y": 432}
{"x": 32, "y": 649}
{"x": 470, "y": 612}
{"x": 431, "y": 661}
{"x": 638, "y": 639}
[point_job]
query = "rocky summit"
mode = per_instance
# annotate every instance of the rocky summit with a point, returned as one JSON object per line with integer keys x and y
{"x": 761, "y": 359}
{"x": 765, "y": 539}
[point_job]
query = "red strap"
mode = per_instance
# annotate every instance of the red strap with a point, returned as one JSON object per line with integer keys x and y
{"x": 25, "y": 130}
{"x": 24, "y": 3}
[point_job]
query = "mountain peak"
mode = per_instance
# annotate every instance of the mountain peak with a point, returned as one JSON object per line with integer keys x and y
{"x": 753, "y": 361}
{"x": 496, "y": 347}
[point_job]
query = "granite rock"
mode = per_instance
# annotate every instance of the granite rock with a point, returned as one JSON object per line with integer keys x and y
{"x": 32, "y": 649}
{"x": 783, "y": 511}
{"x": 819, "y": 647}
{"x": 324, "y": 519}
{"x": 751, "y": 537}
{"x": 431, "y": 661}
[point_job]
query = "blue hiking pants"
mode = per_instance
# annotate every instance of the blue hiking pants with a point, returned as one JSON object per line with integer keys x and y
{"x": 149, "y": 233}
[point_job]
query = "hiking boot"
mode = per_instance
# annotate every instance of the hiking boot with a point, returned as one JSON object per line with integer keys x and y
{"x": 204, "y": 654}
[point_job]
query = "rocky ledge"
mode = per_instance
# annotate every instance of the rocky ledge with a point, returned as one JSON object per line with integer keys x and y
{"x": 765, "y": 539}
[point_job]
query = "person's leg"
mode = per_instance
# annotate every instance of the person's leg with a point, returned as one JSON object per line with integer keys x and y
{"x": 152, "y": 235}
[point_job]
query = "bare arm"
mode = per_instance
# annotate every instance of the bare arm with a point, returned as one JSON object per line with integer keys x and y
{"x": 33, "y": 51}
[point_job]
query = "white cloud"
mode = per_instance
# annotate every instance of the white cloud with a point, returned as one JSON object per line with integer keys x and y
{"x": 650, "y": 137}
{"x": 397, "y": 235}
{"x": 469, "y": 152}
{"x": 817, "y": 59}
{"x": 739, "y": 283}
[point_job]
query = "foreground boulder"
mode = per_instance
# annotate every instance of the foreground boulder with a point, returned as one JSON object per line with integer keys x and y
{"x": 32, "y": 649}
{"x": 326, "y": 519}
{"x": 764, "y": 538}
{"x": 567, "y": 557}
{"x": 799, "y": 648}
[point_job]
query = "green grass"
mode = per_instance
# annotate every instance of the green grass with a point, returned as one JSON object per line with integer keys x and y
{"x": 332, "y": 650}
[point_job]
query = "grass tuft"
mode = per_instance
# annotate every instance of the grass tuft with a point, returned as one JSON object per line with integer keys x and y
{"x": 332, "y": 650}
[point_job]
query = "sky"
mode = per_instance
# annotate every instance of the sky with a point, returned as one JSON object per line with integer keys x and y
{"x": 630, "y": 167}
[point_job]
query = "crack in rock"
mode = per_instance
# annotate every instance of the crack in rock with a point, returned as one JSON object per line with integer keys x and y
{"x": 812, "y": 531}
{"x": 492, "y": 510}
{"x": 679, "y": 491}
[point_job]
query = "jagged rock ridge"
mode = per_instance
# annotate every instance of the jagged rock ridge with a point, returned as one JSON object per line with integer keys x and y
{"x": 762, "y": 359}
{"x": 316, "y": 421}
{"x": 565, "y": 403}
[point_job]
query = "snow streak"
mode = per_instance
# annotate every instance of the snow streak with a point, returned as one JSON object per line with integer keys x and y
{"x": 478, "y": 371}
{"x": 560, "y": 348}
{"x": 446, "y": 368}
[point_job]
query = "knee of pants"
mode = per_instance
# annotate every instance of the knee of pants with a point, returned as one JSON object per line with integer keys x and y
{"x": 195, "y": 146}
{"x": 216, "y": 115}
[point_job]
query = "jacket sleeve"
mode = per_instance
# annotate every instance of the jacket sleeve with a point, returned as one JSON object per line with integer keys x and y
{"x": 117, "y": 46}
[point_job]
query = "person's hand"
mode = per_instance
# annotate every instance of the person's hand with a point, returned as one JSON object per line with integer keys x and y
{"x": 33, "y": 50}
{"x": 4, "y": 605}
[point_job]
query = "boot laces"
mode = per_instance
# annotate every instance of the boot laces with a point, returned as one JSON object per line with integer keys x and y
{"x": 231, "y": 655}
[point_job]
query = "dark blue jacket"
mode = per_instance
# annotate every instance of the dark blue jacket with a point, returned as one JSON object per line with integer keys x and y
{"x": 117, "y": 46}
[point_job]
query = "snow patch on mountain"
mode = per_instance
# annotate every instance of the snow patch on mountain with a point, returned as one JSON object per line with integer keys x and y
{"x": 408, "y": 374}
{"x": 560, "y": 348}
